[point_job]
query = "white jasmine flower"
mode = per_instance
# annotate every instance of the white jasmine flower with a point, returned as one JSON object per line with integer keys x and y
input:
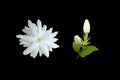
{"x": 86, "y": 26}
{"x": 77, "y": 39}
{"x": 38, "y": 39}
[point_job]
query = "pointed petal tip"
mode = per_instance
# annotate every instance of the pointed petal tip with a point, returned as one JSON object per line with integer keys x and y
{"x": 24, "y": 53}
{"x": 39, "y": 23}
{"x": 18, "y": 36}
{"x": 47, "y": 56}
{"x": 38, "y": 20}
{"x": 40, "y": 54}
{"x": 56, "y": 32}
{"x": 33, "y": 57}
{"x": 44, "y": 26}
{"x": 29, "y": 21}
{"x": 58, "y": 46}
{"x": 86, "y": 20}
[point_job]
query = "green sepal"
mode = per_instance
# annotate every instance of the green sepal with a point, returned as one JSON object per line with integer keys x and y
{"x": 76, "y": 47}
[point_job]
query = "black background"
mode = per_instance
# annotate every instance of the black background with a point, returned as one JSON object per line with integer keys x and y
{"x": 68, "y": 19}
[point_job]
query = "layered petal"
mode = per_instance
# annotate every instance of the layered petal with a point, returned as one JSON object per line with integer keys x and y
{"x": 44, "y": 29}
{"x": 40, "y": 52}
{"x": 34, "y": 53}
{"x": 27, "y": 31}
{"x": 32, "y": 27}
{"x": 30, "y": 48}
{"x": 52, "y": 35}
{"x": 51, "y": 44}
{"x": 27, "y": 38}
{"x": 45, "y": 50}
{"x": 39, "y": 24}
{"x": 48, "y": 33}
{"x": 53, "y": 40}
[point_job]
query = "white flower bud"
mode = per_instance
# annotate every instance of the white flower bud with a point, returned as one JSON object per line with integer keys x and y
{"x": 86, "y": 26}
{"x": 77, "y": 39}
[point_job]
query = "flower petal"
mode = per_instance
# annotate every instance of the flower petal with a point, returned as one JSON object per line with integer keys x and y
{"x": 53, "y": 45}
{"x": 23, "y": 42}
{"x": 40, "y": 52}
{"x": 34, "y": 53}
{"x": 26, "y": 45}
{"x": 53, "y": 39}
{"x": 53, "y": 35}
{"x": 30, "y": 48}
{"x": 45, "y": 50}
{"x": 50, "y": 30}
{"x": 50, "y": 48}
{"x": 32, "y": 27}
{"x": 26, "y": 38}
{"x": 39, "y": 30}
{"x": 39, "y": 24}
{"x": 44, "y": 29}
{"x": 48, "y": 33}
{"x": 27, "y": 31}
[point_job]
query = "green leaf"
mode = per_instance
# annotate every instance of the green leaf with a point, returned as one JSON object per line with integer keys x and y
{"x": 76, "y": 47}
{"x": 87, "y": 50}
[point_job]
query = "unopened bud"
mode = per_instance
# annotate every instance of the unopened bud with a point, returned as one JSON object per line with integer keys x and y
{"x": 86, "y": 26}
{"x": 77, "y": 39}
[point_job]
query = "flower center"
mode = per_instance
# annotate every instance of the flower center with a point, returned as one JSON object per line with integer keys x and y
{"x": 38, "y": 39}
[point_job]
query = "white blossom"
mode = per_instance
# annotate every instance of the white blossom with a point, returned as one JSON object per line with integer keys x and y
{"x": 38, "y": 39}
